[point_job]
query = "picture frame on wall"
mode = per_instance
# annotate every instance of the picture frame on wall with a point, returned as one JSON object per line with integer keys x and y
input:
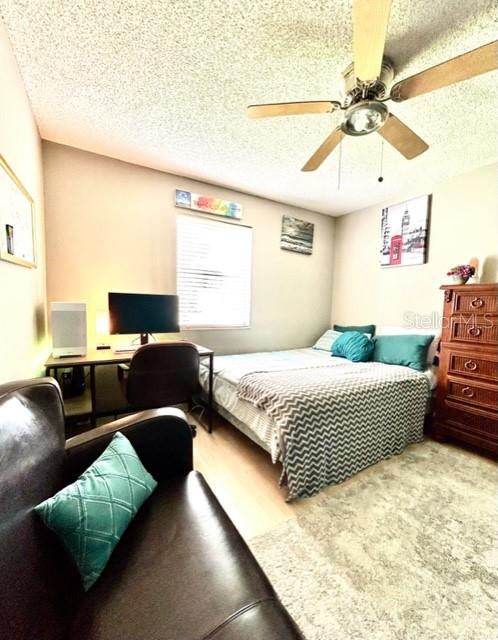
{"x": 404, "y": 237}
{"x": 297, "y": 235}
{"x": 17, "y": 234}
{"x": 207, "y": 204}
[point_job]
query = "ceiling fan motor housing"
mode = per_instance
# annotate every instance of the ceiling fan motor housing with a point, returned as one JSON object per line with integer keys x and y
{"x": 364, "y": 117}
{"x": 377, "y": 90}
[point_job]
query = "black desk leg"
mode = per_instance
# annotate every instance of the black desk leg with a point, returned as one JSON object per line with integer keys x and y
{"x": 210, "y": 394}
{"x": 93, "y": 395}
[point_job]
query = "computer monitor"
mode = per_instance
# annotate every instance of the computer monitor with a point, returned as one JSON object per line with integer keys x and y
{"x": 143, "y": 313}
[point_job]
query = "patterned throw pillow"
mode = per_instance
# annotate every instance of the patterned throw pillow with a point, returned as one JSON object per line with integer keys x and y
{"x": 91, "y": 515}
{"x": 325, "y": 341}
{"x": 354, "y": 346}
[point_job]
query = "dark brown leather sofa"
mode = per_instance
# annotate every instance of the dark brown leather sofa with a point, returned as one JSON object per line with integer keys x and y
{"x": 181, "y": 570}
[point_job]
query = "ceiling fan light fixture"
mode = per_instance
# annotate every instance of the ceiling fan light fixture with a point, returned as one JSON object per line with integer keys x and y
{"x": 363, "y": 118}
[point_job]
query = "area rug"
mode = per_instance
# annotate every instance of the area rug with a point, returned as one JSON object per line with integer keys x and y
{"x": 406, "y": 550}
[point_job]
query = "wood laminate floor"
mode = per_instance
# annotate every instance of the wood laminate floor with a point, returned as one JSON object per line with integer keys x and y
{"x": 242, "y": 476}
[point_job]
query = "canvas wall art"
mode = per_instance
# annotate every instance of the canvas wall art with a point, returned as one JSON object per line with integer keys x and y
{"x": 207, "y": 204}
{"x": 405, "y": 233}
{"x": 297, "y": 235}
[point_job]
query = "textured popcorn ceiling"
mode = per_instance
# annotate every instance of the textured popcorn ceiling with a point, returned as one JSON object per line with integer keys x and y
{"x": 165, "y": 83}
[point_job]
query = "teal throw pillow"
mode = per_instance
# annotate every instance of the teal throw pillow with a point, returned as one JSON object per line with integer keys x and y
{"x": 406, "y": 350}
{"x": 354, "y": 346}
{"x": 365, "y": 328}
{"x": 91, "y": 514}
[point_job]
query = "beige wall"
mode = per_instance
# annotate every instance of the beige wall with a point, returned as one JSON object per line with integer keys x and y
{"x": 464, "y": 223}
{"x": 22, "y": 300}
{"x": 111, "y": 227}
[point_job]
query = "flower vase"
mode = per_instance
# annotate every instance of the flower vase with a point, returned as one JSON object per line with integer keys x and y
{"x": 458, "y": 279}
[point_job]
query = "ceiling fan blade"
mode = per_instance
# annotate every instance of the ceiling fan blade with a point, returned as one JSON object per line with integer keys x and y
{"x": 402, "y": 138}
{"x": 291, "y": 108}
{"x": 463, "y": 67}
{"x": 324, "y": 150}
{"x": 370, "y": 20}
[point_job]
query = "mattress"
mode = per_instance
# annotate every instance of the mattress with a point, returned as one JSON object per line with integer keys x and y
{"x": 253, "y": 421}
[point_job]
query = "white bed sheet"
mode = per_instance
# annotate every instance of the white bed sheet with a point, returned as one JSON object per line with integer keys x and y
{"x": 253, "y": 421}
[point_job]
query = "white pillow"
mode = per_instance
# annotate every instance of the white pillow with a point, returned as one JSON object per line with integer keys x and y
{"x": 325, "y": 341}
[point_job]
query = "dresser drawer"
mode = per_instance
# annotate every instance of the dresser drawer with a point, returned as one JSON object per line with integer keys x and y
{"x": 473, "y": 302}
{"x": 472, "y": 330}
{"x": 469, "y": 418}
{"x": 473, "y": 366}
{"x": 471, "y": 392}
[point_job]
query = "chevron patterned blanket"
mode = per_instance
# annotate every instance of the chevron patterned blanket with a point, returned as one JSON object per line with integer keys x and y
{"x": 332, "y": 422}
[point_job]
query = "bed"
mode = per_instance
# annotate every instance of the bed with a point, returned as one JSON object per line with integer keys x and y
{"x": 323, "y": 418}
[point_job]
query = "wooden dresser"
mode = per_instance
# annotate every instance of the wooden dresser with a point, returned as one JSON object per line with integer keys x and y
{"x": 467, "y": 392}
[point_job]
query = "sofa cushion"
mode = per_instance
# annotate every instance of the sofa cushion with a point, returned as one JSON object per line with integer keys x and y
{"x": 181, "y": 570}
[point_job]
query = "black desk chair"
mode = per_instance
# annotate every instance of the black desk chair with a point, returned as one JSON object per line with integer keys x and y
{"x": 161, "y": 374}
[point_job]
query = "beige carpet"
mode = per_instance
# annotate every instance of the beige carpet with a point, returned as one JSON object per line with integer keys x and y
{"x": 406, "y": 550}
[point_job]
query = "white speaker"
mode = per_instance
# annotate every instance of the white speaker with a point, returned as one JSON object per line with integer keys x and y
{"x": 68, "y": 329}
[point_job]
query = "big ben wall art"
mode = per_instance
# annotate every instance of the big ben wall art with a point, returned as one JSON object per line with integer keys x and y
{"x": 405, "y": 233}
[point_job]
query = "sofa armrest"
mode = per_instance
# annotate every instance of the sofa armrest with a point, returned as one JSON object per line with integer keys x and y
{"x": 162, "y": 439}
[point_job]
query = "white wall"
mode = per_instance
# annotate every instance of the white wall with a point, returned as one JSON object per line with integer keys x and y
{"x": 22, "y": 291}
{"x": 111, "y": 227}
{"x": 464, "y": 223}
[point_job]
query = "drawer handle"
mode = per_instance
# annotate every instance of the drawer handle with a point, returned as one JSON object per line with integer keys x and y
{"x": 477, "y": 303}
{"x": 468, "y": 392}
{"x": 470, "y": 365}
{"x": 474, "y": 331}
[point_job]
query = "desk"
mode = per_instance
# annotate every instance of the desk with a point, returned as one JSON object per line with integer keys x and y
{"x": 97, "y": 357}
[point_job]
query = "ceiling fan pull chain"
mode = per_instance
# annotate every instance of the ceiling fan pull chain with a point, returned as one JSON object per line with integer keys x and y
{"x": 381, "y": 178}
{"x": 340, "y": 167}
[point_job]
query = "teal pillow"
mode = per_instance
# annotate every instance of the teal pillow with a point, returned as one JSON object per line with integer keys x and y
{"x": 366, "y": 328}
{"x": 91, "y": 515}
{"x": 354, "y": 346}
{"x": 406, "y": 350}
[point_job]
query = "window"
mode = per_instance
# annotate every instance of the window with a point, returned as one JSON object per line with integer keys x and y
{"x": 213, "y": 273}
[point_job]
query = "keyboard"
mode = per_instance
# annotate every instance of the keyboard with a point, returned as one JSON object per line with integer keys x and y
{"x": 125, "y": 349}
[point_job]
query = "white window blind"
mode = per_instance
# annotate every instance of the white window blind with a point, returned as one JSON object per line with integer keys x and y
{"x": 213, "y": 273}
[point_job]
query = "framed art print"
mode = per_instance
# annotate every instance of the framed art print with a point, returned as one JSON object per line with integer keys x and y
{"x": 405, "y": 233}
{"x": 17, "y": 241}
{"x": 297, "y": 235}
{"x": 207, "y": 204}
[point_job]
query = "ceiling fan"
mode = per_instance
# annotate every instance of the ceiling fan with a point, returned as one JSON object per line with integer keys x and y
{"x": 367, "y": 80}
